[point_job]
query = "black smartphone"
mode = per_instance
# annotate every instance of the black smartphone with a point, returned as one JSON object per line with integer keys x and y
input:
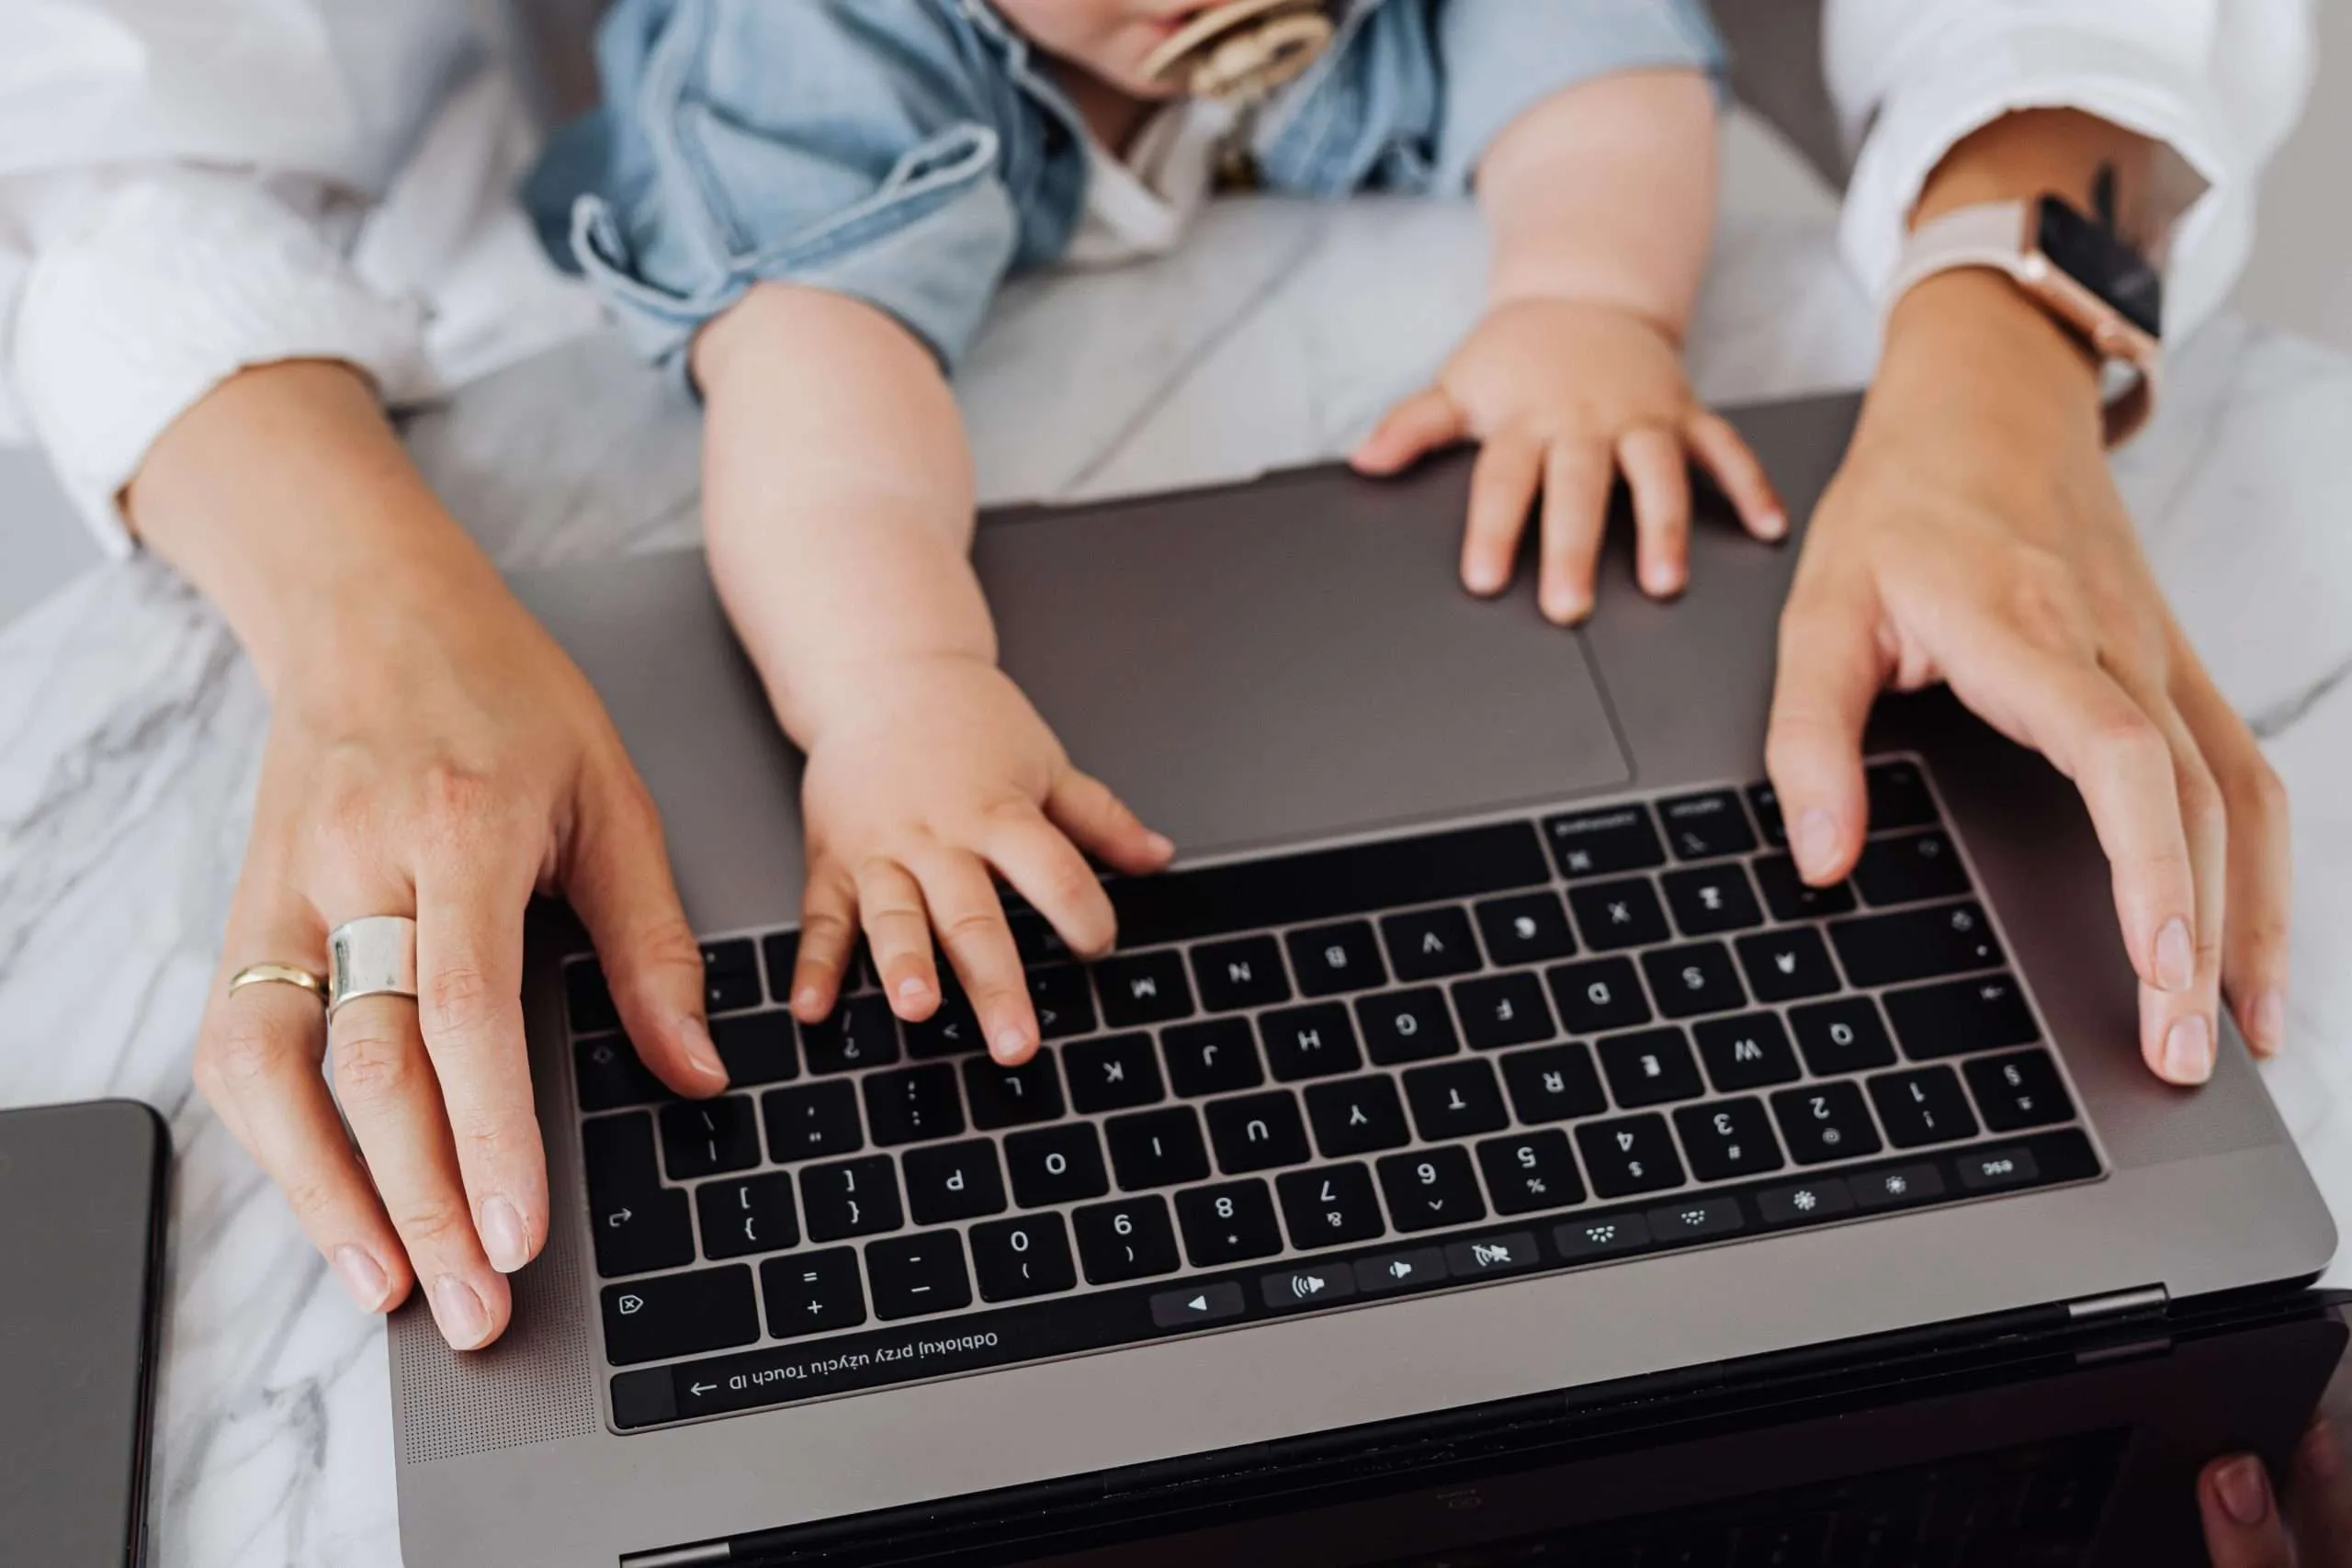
{"x": 81, "y": 1206}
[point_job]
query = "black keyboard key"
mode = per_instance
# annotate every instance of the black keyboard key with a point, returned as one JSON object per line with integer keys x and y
{"x": 1064, "y": 1001}
{"x": 1553, "y": 1084}
{"x": 1130, "y": 1239}
{"x": 1456, "y": 1099}
{"x": 1034, "y": 938}
{"x": 1764, "y": 801}
{"x": 1790, "y": 897}
{"x": 1916, "y": 945}
{"x": 1526, "y": 927}
{"x": 1702, "y": 827}
{"x": 1902, "y": 1185}
{"x": 1012, "y": 1097}
{"x": 1984, "y": 1170}
{"x": 679, "y": 1314}
{"x": 1356, "y": 1116}
{"x": 1825, "y": 1122}
{"x": 587, "y": 1000}
{"x": 1785, "y": 965}
{"x": 1612, "y": 915}
{"x": 1744, "y": 1053}
{"x": 1018, "y": 1258}
{"x": 1331, "y": 1205}
{"x": 1595, "y": 843}
{"x": 703, "y": 1137}
{"x": 731, "y": 975}
{"x": 1142, "y": 987}
{"x": 1650, "y": 1066}
{"x": 1157, "y": 1148}
{"x": 1841, "y": 1036}
{"x": 1117, "y": 1072}
{"x": 916, "y": 1275}
{"x": 860, "y": 1032}
{"x": 814, "y": 1119}
{"x": 1708, "y": 899}
{"x": 1227, "y": 1223}
{"x": 1581, "y": 1239}
{"x": 1256, "y": 1132}
{"x": 1599, "y": 995}
{"x": 1922, "y": 1106}
{"x": 1634, "y": 1154}
{"x": 1215, "y": 1057}
{"x": 1898, "y": 796}
{"x": 1529, "y": 1171}
{"x": 1430, "y": 1188}
{"x": 1428, "y": 944}
{"x": 857, "y": 1197}
{"x": 913, "y": 1104}
{"x": 638, "y": 1233}
{"x": 1690, "y": 980}
{"x": 609, "y": 1075}
{"x": 1056, "y": 1164}
{"x": 953, "y": 1181}
{"x": 953, "y": 1030}
{"x": 813, "y": 1292}
{"x": 1329, "y": 960}
{"x": 751, "y": 1214}
{"x": 1981, "y": 1014}
{"x": 1801, "y": 1201}
{"x": 1695, "y": 1219}
{"x": 1728, "y": 1139}
{"x": 782, "y": 952}
{"x": 619, "y": 1153}
{"x": 1502, "y": 1009}
{"x": 2018, "y": 1090}
{"x": 1405, "y": 1026}
{"x": 756, "y": 1047}
{"x": 1312, "y": 1042}
{"x": 1910, "y": 868}
{"x": 1244, "y": 972}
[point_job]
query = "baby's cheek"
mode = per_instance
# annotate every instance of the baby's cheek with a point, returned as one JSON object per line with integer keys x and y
{"x": 1107, "y": 39}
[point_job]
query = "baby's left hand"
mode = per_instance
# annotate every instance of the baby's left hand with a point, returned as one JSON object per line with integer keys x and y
{"x": 1563, "y": 395}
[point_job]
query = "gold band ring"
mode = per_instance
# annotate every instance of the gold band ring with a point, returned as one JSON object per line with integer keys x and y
{"x": 281, "y": 974}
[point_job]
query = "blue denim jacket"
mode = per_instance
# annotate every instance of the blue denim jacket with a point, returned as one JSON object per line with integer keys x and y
{"x": 913, "y": 153}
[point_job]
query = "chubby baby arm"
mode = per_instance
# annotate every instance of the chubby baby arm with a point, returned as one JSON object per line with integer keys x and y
{"x": 838, "y": 509}
{"x": 1601, "y": 201}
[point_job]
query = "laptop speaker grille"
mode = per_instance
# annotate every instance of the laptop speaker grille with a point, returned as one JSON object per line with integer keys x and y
{"x": 527, "y": 1388}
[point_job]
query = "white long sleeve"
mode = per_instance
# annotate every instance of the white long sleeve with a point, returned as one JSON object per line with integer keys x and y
{"x": 2219, "y": 82}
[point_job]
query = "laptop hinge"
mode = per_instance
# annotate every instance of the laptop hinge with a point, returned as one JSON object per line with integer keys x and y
{"x": 2119, "y": 1303}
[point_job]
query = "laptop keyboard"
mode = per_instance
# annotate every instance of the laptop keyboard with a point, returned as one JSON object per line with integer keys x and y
{"x": 1311, "y": 1080}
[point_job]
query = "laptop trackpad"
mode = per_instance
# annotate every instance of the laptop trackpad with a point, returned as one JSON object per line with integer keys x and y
{"x": 1293, "y": 660}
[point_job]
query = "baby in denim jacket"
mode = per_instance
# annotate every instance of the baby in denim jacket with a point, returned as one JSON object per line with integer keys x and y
{"x": 808, "y": 205}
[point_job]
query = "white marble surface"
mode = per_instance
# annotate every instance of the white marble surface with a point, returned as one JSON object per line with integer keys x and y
{"x": 129, "y": 728}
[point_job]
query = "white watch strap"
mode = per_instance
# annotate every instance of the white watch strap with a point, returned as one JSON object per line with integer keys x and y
{"x": 1990, "y": 234}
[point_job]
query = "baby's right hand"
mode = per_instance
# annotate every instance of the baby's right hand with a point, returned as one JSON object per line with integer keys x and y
{"x": 942, "y": 771}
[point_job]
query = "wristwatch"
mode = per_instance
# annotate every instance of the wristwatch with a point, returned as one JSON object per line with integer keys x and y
{"x": 2075, "y": 267}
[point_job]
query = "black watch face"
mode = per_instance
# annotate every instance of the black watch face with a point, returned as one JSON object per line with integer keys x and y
{"x": 2092, "y": 255}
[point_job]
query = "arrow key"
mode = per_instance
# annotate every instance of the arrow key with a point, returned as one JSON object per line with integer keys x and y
{"x": 1197, "y": 1304}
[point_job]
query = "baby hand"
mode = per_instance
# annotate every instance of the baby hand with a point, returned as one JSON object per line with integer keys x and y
{"x": 940, "y": 773}
{"x": 1564, "y": 396}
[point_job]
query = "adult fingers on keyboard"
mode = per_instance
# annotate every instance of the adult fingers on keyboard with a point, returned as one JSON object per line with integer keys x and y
{"x": 2178, "y": 1021}
{"x": 2260, "y": 873}
{"x": 1652, "y": 460}
{"x": 618, "y": 881}
{"x": 257, "y": 1062}
{"x": 1102, "y": 824}
{"x": 470, "y": 977}
{"x": 1577, "y": 478}
{"x": 1039, "y": 860}
{"x": 1831, "y": 667}
{"x": 1716, "y": 442}
{"x": 2243, "y": 1529}
{"x": 828, "y": 936}
{"x": 386, "y": 1085}
{"x": 972, "y": 925}
{"x": 898, "y": 932}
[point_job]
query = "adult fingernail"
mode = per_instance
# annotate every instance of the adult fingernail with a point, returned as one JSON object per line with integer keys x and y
{"x": 1816, "y": 841}
{"x": 362, "y": 1277}
{"x": 503, "y": 1237}
{"x": 2188, "y": 1049}
{"x": 2269, "y": 1024}
{"x": 464, "y": 1320}
{"x": 701, "y": 1055}
{"x": 2175, "y": 956}
{"x": 2323, "y": 1457}
{"x": 2245, "y": 1489}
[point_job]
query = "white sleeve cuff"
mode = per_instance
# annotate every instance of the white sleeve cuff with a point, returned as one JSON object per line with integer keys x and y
{"x": 2006, "y": 68}
{"x": 163, "y": 289}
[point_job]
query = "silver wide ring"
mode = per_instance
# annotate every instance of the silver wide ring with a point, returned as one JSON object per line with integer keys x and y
{"x": 372, "y": 956}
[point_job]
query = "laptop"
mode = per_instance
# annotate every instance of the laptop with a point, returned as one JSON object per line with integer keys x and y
{"x": 1480, "y": 1078}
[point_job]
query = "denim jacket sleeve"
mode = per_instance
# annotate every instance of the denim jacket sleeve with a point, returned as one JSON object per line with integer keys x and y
{"x": 882, "y": 149}
{"x": 1417, "y": 89}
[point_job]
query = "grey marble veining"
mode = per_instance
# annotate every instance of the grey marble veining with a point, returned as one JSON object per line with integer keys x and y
{"x": 131, "y": 730}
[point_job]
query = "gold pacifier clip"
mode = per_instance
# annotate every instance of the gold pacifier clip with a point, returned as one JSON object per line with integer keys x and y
{"x": 1241, "y": 52}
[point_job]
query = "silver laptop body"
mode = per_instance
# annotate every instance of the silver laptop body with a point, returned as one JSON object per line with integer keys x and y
{"x": 1263, "y": 669}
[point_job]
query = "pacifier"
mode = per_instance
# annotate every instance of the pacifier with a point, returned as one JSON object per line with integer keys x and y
{"x": 1243, "y": 50}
